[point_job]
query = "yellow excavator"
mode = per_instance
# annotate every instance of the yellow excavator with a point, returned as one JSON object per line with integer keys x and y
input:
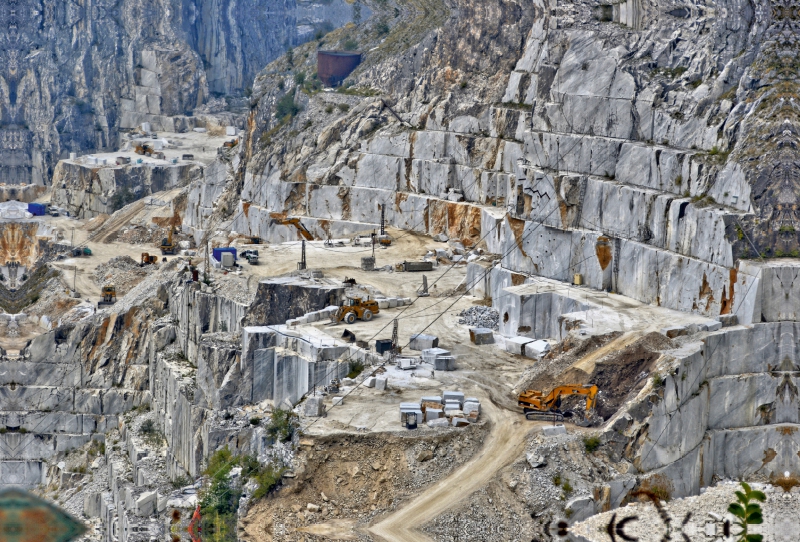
{"x": 167, "y": 246}
{"x": 144, "y": 150}
{"x": 546, "y": 407}
{"x": 283, "y": 220}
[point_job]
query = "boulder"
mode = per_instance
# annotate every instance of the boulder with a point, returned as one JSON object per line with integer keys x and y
{"x": 444, "y": 363}
{"x": 420, "y": 341}
{"x": 314, "y": 407}
{"x": 580, "y": 508}
{"x": 536, "y": 461}
{"x": 440, "y": 422}
{"x": 516, "y": 345}
{"x": 536, "y": 349}
{"x": 481, "y": 335}
{"x": 146, "y": 503}
{"x": 429, "y": 355}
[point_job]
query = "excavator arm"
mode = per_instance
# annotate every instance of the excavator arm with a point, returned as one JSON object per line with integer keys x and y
{"x": 283, "y": 220}
{"x": 536, "y": 404}
{"x": 564, "y": 391}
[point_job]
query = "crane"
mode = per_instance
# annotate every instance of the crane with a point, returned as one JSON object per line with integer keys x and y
{"x": 283, "y": 220}
{"x": 538, "y": 406}
{"x": 167, "y": 246}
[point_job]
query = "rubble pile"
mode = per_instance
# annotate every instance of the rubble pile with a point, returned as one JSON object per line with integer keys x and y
{"x": 123, "y": 272}
{"x": 233, "y": 287}
{"x": 55, "y": 304}
{"x": 480, "y": 316}
{"x": 139, "y": 235}
{"x": 369, "y": 467}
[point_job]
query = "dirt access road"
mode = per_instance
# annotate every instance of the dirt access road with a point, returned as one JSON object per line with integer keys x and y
{"x": 504, "y": 444}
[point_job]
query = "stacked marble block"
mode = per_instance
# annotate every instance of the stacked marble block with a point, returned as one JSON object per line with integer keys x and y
{"x": 313, "y": 317}
{"x": 439, "y": 358}
{"x": 392, "y": 302}
{"x": 449, "y": 409}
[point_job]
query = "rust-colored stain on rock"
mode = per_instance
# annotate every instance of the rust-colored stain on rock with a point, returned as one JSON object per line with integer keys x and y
{"x": 603, "y": 251}
{"x": 246, "y": 208}
{"x": 769, "y": 455}
{"x": 726, "y": 304}
{"x": 517, "y": 279}
{"x": 517, "y": 227}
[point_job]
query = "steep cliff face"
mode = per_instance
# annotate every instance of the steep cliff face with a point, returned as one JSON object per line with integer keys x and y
{"x": 664, "y": 131}
{"x": 73, "y": 73}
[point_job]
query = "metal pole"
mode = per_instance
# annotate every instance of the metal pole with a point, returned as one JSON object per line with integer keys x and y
{"x": 208, "y": 262}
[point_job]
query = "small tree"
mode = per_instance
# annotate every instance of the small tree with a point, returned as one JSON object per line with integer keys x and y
{"x": 748, "y": 513}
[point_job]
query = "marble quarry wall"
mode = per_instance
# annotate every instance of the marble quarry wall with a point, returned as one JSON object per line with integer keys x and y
{"x": 89, "y": 190}
{"x": 728, "y": 409}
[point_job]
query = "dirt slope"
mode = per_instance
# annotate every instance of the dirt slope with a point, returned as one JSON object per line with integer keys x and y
{"x": 504, "y": 444}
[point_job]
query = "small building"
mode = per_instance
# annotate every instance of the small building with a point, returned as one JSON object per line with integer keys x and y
{"x": 37, "y": 209}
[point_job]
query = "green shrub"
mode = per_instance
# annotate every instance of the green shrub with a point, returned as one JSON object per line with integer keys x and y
{"x": 657, "y": 381}
{"x": 350, "y": 44}
{"x": 300, "y": 78}
{"x": 220, "y": 463}
{"x": 748, "y": 513}
{"x": 591, "y": 443}
{"x": 267, "y": 478}
{"x": 286, "y": 107}
{"x": 255, "y": 421}
{"x": 148, "y": 427}
{"x": 282, "y": 424}
{"x": 343, "y": 108}
{"x": 355, "y": 369}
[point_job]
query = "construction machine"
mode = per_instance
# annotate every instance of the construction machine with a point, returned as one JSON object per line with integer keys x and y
{"x": 333, "y": 387}
{"x": 109, "y": 295}
{"x": 144, "y": 150}
{"x": 147, "y": 259}
{"x": 355, "y": 307}
{"x": 540, "y": 406}
{"x": 283, "y": 220}
{"x": 167, "y": 246}
{"x": 251, "y": 255}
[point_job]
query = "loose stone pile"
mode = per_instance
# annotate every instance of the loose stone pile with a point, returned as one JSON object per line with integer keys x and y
{"x": 480, "y": 316}
{"x": 123, "y": 272}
